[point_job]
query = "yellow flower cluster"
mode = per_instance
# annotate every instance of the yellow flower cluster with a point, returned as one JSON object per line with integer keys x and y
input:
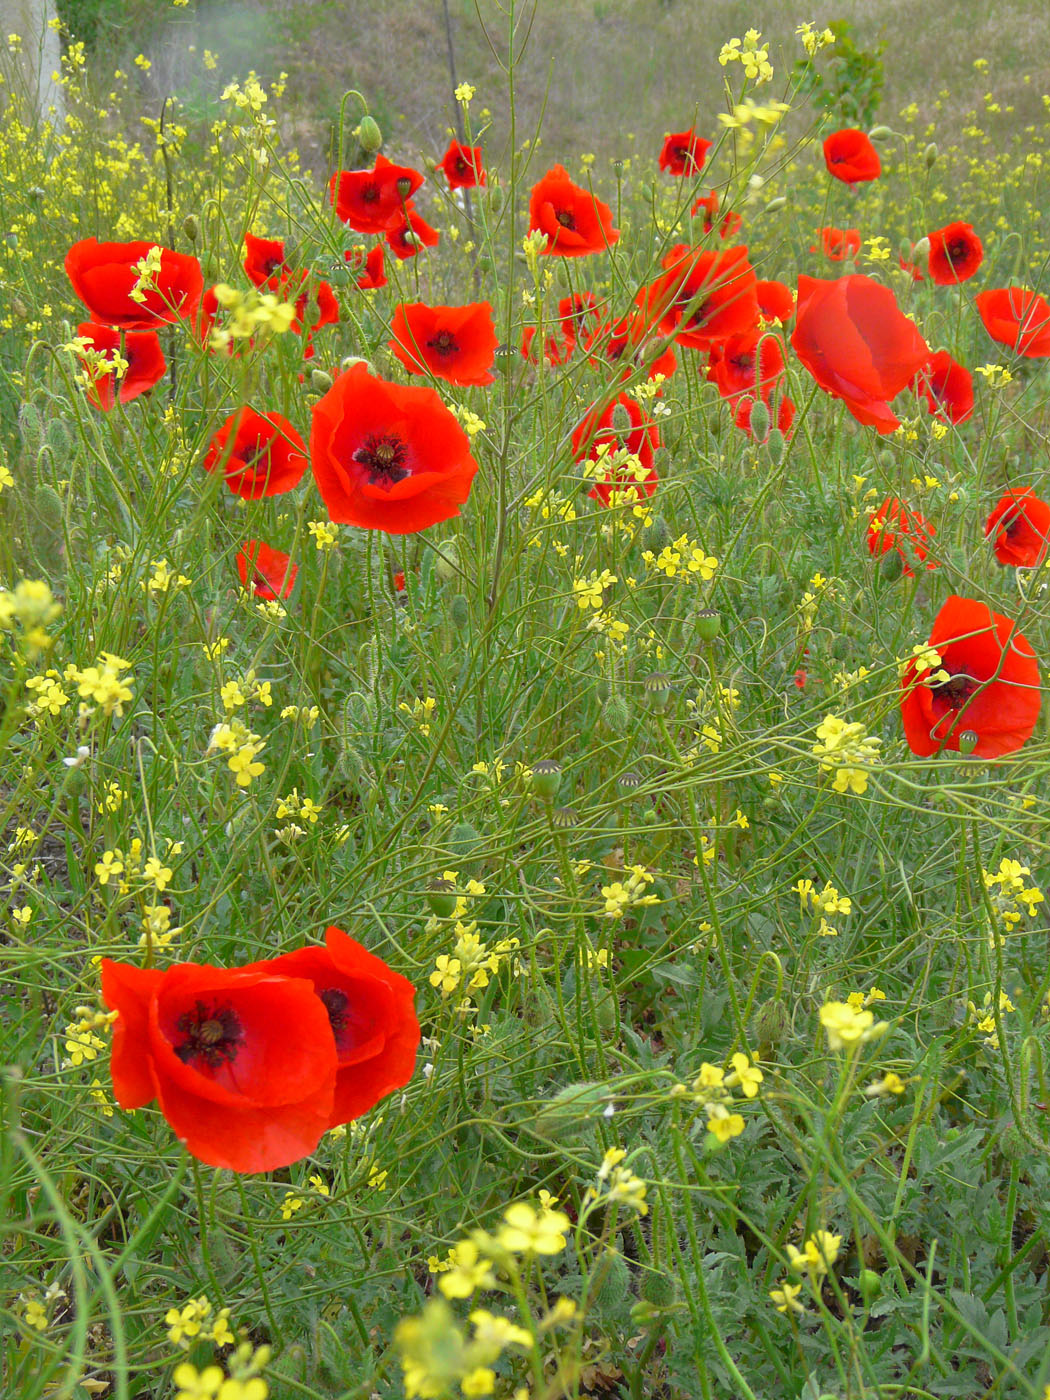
{"x": 712, "y": 1090}
{"x": 243, "y": 748}
{"x": 615, "y": 1184}
{"x": 682, "y": 559}
{"x": 470, "y": 962}
{"x": 250, "y": 314}
{"x": 631, "y": 893}
{"x": 82, "y": 1041}
{"x": 846, "y": 1026}
{"x": 589, "y": 592}
{"x": 194, "y": 1322}
{"x": 751, "y": 54}
{"x": 103, "y": 684}
{"x": 32, "y": 606}
{"x": 846, "y": 750}
{"x": 1010, "y": 896}
{"x": 812, "y": 41}
{"x": 242, "y": 1383}
{"x": 823, "y": 902}
{"x": 421, "y": 711}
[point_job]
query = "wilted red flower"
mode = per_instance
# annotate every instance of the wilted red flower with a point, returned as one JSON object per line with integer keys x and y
{"x": 850, "y": 156}
{"x": 373, "y": 201}
{"x": 838, "y": 244}
{"x": 139, "y": 349}
{"x": 642, "y": 438}
{"x": 264, "y": 258}
{"x": 894, "y": 526}
{"x": 776, "y": 301}
{"x": 1016, "y": 317}
{"x": 575, "y": 221}
{"x": 857, "y": 344}
{"x": 368, "y": 266}
{"x": 104, "y": 275}
{"x": 711, "y": 206}
{"x": 260, "y": 454}
{"x": 386, "y": 457}
{"x": 947, "y": 388}
{"x": 986, "y": 685}
{"x": 703, "y": 297}
{"x": 408, "y": 237}
{"x": 268, "y": 573}
{"x": 371, "y": 1012}
{"x": 242, "y": 1063}
{"x": 782, "y": 419}
{"x": 746, "y": 364}
{"x": 462, "y": 166}
{"x": 455, "y": 343}
{"x": 955, "y": 254}
{"x": 1020, "y": 525}
{"x": 684, "y": 153}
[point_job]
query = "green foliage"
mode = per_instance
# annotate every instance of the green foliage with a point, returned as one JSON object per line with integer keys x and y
{"x": 847, "y": 80}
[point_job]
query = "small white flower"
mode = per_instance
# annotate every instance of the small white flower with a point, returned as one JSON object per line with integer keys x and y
{"x": 78, "y": 760}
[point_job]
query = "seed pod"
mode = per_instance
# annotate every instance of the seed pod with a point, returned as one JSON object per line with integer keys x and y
{"x": 707, "y": 623}
{"x": 546, "y": 779}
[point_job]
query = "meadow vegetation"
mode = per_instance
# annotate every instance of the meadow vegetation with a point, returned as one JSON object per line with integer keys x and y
{"x": 640, "y": 663}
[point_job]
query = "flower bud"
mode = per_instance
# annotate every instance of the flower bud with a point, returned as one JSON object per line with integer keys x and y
{"x": 348, "y": 362}
{"x": 707, "y": 624}
{"x": 870, "y": 1284}
{"x": 446, "y": 564}
{"x": 921, "y": 251}
{"x": 460, "y": 610}
{"x": 775, "y": 446}
{"x": 615, "y": 714}
{"x": 891, "y": 565}
{"x": 48, "y": 506}
{"x": 369, "y": 137}
{"x": 880, "y": 133}
{"x": 320, "y": 382}
{"x": 775, "y": 204}
{"x": 621, "y": 420}
{"x": 546, "y": 779}
{"x": 758, "y": 420}
{"x": 1012, "y": 1145}
{"x": 191, "y": 227}
{"x": 571, "y": 1112}
{"x": 771, "y": 1025}
{"x": 659, "y": 1288}
{"x": 497, "y": 198}
{"x": 929, "y": 155}
{"x": 464, "y": 839}
{"x": 614, "y": 1285}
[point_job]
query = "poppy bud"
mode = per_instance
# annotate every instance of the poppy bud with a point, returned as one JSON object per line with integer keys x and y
{"x": 758, "y": 420}
{"x": 707, "y": 624}
{"x": 775, "y": 446}
{"x": 870, "y": 1284}
{"x": 657, "y": 690}
{"x": 571, "y": 1112}
{"x": 621, "y": 419}
{"x": 905, "y": 250}
{"x": 921, "y": 251}
{"x": 886, "y": 459}
{"x": 614, "y": 1284}
{"x": 771, "y": 1025}
{"x": 891, "y": 566}
{"x": 191, "y": 228}
{"x": 348, "y": 362}
{"x": 879, "y": 133}
{"x": 967, "y": 741}
{"x": 30, "y": 429}
{"x": 929, "y": 155}
{"x": 659, "y": 1289}
{"x": 441, "y": 896}
{"x": 460, "y": 611}
{"x": 775, "y": 204}
{"x": 497, "y": 198}
{"x": 48, "y": 506}
{"x": 1012, "y": 1145}
{"x": 615, "y": 714}
{"x": 369, "y": 137}
{"x": 446, "y": 565}
{"x": 319, "y": 381}
{"x": 464, "y": 839}
{"x": 546, "y": 779}
{"x": 659, "y": 532}
{"x": 650, "y": 817}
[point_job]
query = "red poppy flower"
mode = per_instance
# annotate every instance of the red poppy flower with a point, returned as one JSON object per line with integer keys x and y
{"x": 269, "y": 573}
{"x": 776, "y": 302}
{"x": 703, "y": 297}
{"x": 857, "y": 344}
{"x": 455, "y": 343}
{"x": 369, "y": 266}
{"x": 800, "y": 677}
{"x": 684, "y": 153}
{"x": 955, "y": 254}
{"x": 242, "y": 1063}
{"x": 371, "y": 1010}
{"x": 746, "y": 364}
{"x": 782, "y": 419}
{"x": 260, "y": 454}
{"x": 386, "y": 457}
{"x": 407, "y": 238}
{"x": 947, "y": 388}
{"x": 1016, "y": 317}
{"x": 373, "y": 201}
{"x": 399, "y": 581}
{"x": 894, "y": 526}
{"x": 139, "y": 349}
{"x": 1020, "y": 524}
{"x": 629, "y": 342}
{"x": 316, "y": 300}
{"x": 711, "y": 206}
{"x": 913, "y": 270}
{"x": 641, "y": 439}
{"x": 851, "y": 157}
{"x": 575, "y": 221}
{"x": 557, "y": 346}
{"x": 462, "y": 166}
{"x": 264, "y": 258}
{"x": 104, "y": 275}
{"x": 838, "y": 244}
{"x": 986, "y": 685}
{"x": 579, "y": 311}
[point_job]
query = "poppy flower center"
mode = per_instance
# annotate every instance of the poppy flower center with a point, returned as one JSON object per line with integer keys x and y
{"x": 957, "y": 689}
{"x": 335, "y": 1003}
{"x": 212, "y": 1033}
{"x": 566, "y": 218}
{"x": 444, "y": 343}
{"x": 383, "y": 457}
{"x": 252, "y": 456}
{"x": 369, "y": 193}
{"x": 957, "y": 251}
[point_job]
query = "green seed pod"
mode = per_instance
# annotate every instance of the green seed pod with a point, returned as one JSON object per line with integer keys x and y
{"x": 968, "y": 741}
{"x": 707, "y": 623}
{"x": 564, "y": 818}
{"x": 441, "y": 896}
{"x": 460, "y": 610}
{"x": 658, "y": 690}
{"x": 546, "y": 779}
{"x": 758, "y": 420}
{"x": 615, "y": 714}
{"x": 571, "y": 1113}
{"x": 369, "y": 137}
{"x": 775, "y": 446}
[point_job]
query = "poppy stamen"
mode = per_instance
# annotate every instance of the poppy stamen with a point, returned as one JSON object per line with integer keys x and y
{"x": 444, "y": 343}
{"x": 211, "y": 1033}
{"x": 566, "y": 219}
{"x": 335, "y": 1003}
{"x": 384, "y": 457}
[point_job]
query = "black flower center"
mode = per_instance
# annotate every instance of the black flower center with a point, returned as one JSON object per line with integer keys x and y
{"x": 383, "y": 457}
{"x": 957, "y": 251}
{"x": 444, "y": 343}
{"x": 369, "y": 193}
{"x": 957, "y": 689}
{"x": 566, "y": 218}
{"x": 212, "y": 1033}
{"x": 252, "y": 456}
{"x": 335, "y": 1003}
